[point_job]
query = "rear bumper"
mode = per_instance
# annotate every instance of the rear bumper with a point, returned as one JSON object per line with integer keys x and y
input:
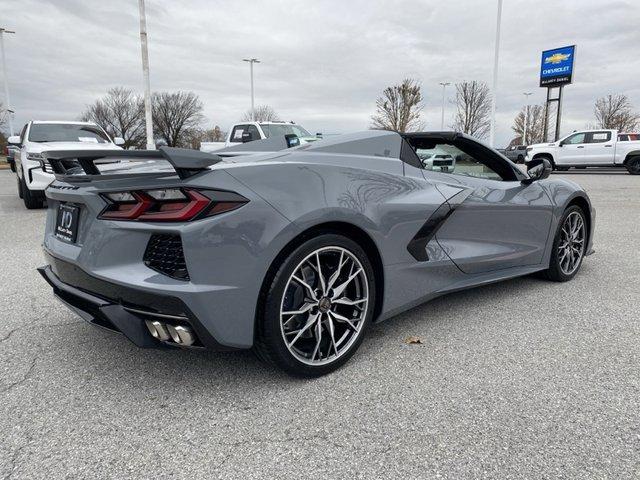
{"x": 121, "y": 309}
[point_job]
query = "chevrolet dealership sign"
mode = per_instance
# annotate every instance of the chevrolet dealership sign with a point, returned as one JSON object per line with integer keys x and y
{"x": 556, "y": 67}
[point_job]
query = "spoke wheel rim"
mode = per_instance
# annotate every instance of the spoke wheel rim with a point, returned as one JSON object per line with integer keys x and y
{"x": 572, "y": 243}
{"x": 324, "y": 306}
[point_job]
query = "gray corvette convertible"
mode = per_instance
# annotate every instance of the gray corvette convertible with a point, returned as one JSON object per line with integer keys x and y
{"x": 293, "y": 250}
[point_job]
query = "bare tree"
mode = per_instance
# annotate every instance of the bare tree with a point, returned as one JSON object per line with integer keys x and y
{"x": 264, "y": 113}
{"x": 473, "y": 108}
{"x": 121, "y": 113}
{"x": 399, "y": 107}
{"x": 194, "y": 137}
{"x": 176, "y": 116}
{"x": 616, "y": 112}
{"x": 3, "y": 117}
{"x": 535, "y": 125}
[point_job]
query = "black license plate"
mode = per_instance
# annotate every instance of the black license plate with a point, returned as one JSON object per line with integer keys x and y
{"x": 67, "y": 222}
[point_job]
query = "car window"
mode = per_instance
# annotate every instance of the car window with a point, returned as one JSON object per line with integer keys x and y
{"x": 276, "y": 129}
{"x": 253, "y": 131}
{"x": 236, "y": 134}
{"x": 522, "y": 147}
{"x": 451, "y": 159}
{"x": 623, "y": 138}
{"x": 598, "y": 137}
{"x": 575, "y": 139}
{"x": 24, "y": 130}
{"x": 66, "y": 132}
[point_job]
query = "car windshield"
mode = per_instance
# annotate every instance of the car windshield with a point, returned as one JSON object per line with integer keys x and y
{"x": 66, "y": 132}
{"x": 271, "y": 130}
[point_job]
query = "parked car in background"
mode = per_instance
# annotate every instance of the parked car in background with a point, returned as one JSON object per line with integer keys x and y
{"x": 516, "y": 153}
{"x": 34, "y": 174}
{"x": 437, "y": 162}
{"x": 250, "y": 131}
{"x": 10, "y": 151}
{"x": 590, "y": 148}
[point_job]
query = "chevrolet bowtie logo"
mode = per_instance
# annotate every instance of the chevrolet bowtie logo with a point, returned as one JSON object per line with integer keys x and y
{"x": 557, "y": 58}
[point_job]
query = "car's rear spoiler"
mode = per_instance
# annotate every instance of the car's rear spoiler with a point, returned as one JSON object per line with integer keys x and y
{"x": 184, "y": 161}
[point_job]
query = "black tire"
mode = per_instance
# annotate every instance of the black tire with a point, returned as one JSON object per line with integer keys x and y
{"x": 555, "y": 271}
{"x": 548, "y": 157}
{"x": 19, "y": 186}
{"x": 32, "y": 200}
{"x": 269, "y": 344}
{"x": 520, "y": 159}
{"x": 12, "y": 165}
{"x": 633, "y": 166}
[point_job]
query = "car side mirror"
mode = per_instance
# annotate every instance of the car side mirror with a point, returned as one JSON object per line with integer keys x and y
{"x": 246, "y": 137}
{"x": 538, "y": 169}
{"x": 118, "y": 141}
{"x": 14, "y": 140}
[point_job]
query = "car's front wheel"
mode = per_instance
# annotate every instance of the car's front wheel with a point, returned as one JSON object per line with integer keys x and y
{"x": 317, "y": 306}
{"x": 568, "y": 246}
{"x": 31, "y": 199}
{"x": 19, "y": 186}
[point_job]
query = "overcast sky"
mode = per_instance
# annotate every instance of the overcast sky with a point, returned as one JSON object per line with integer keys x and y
{"x": 323, "y": 62}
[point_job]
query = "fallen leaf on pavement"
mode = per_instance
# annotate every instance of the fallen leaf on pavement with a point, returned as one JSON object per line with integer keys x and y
{"x": 413, "y": 341}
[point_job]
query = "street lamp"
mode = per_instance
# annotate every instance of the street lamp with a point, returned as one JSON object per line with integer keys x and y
{"x": 6, "y": 81}
{"x": 444, "y": 86}
{"x": 148, "y": 118}
{"x": 251, "y": 62}
{"x": 526, "y": 118}
{"x": 495, "y": 76}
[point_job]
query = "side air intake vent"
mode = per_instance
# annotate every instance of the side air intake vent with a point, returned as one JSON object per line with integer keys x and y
{"x": 164, "y": 254}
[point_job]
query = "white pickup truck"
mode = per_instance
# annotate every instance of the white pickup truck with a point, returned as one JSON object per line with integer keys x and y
{"x": 590, "y": 148}
{"x": 249, "y": 131}
{"x": 33, "y": 172}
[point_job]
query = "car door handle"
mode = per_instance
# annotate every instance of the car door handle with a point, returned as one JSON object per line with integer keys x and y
{"x": 608, "y": 146}
{"x": 580, "y": 146}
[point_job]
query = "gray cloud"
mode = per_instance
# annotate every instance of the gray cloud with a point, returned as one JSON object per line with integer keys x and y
{"x": 323, "y": 63}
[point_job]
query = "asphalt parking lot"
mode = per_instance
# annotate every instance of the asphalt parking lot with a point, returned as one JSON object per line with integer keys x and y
{"x": 523, "y": 379}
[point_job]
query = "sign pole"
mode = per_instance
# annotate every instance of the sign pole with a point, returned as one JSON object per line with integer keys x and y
{"x": 559, "y": 114}
{"x": 546, "y": 116}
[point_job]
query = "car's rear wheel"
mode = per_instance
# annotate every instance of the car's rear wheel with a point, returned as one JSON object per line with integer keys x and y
{"x": 32, "y": 200}
{"x": 568, "y": 246}
{"x": 317, "y": 306}
{"x": 633, "y": 166}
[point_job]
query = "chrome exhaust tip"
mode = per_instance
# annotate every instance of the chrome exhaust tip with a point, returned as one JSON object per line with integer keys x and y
{"x": 158, "y": 330}
{"x": 181, "y": 335}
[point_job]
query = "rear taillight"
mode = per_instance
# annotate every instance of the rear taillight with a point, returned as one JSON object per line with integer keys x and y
{"x": 169, "y": 204}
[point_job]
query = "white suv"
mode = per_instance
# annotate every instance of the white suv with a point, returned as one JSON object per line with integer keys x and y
{"x": 34, "y": 174}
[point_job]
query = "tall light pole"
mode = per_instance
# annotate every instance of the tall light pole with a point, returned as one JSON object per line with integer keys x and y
{"x": 444, "y": 86}
{"x": 6, "y": 80}
{"x": 495, "y": 76}
{"x": 526, "y": 118}
{"x": 148, "y": 118}
{"x": 251, "y": 62}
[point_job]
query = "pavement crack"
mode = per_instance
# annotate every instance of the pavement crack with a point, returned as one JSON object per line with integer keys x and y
{"x": 26, "y": 377}
{"x": 8, "y": 335}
